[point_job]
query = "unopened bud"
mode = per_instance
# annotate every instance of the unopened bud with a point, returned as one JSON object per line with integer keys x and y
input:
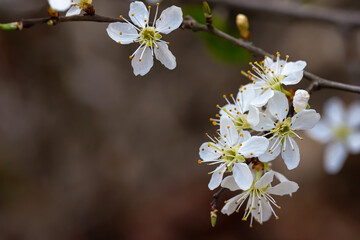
{"x": 213, "y": 217}
{"x": 11, "y": 26}
{"x": 301, "y": 100}
{"x": 206, "y": 9}
{"x": 242, "y": 23}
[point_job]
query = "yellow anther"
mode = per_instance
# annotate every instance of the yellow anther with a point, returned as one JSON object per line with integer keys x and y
{"x": 130, "y": 57}
{"x": 225, "y": 201}
{"x": 286, "y": 109}
{"x": 224, "y": 96}
{"x": 169, "y": 27}
{"x": 237, "y": 210}
{"x": 225, "y": 135}
{"x": 219, "y": 172}
{"x": 149, "y": 6}
{"x": 277, "y": 217}
{"x": 218, "y": 106}
{"x": 228, "y": 127}
{"x": 251, "y": 154}
{"x": 199, "y": 161}
{"x": 120, "y": 33}
{"x": 121, "y": 16}
{"x": 145, "y": 20}
{"x": 241, "y": 135}
{"x": 293, "y": 149}
{"x": 217, "y": 115}
{"x": 132, "y": 14}
{"x": 287, "y": 56}
{"x": 211, "y": 119}
{"x": 140, "y": 60}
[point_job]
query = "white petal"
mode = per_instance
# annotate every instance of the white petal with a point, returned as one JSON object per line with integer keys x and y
{"x": 217, "y": 177}
{"x": 242, "y": 175}
{"x": 321, "y": 132}
{"x": 278, "y": 105}
{"x": 245, "y": 95}
{"x": 266, "y": 211}
{"x": 268, "y": 62}
{"x": 170, "y": 19}
{"x": 74, "y": 10}
{"x": 335, "y": 155}
{"x": 283, "y": 188}
{"x": 253, "y": 116}
{"x": 292, "y": 67}
{"x": 60, "y": 5}
{"x": 306, "y": 119}
{"x": 265, "y": 123}
{"x": 163, "y": 54}
{"x": 291, "y": 155}
{"x": 142, "y": 67}
{"x": 228, "y": 131}
{"x": 123, "y": 33}
{"x": 353, "y": 143}
{"x": 139, "y": 14}
{"x": 263, "y": 98}
{"x": 254, "y": 147}
{"x": 231, "y": 204}
{"x": 269, "y": 156}
{"x": 265, "y": 180}
{"x": 354, "y": 115}
{"x": 280, "y": 177}
{"x": 229, "y": 183}
{"x": 208, "y": 153}
{"x": 244, "y": 136}
{"x": 334, "y": 111}
{"x": 293, "y": 78}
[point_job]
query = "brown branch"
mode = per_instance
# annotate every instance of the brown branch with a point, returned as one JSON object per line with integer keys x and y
{"x": 27, "y": 23}
{"x": 339, "y": 17}
{"x": 190, "y": 23}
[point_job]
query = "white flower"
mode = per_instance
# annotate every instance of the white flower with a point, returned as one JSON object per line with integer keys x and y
{"x": 283, "y": 129}
{"x": 78, "y": 6}
{"x": 301, "y": 100}
{"x": 260, "y": 201}
{"x": 231, "y": 151}
{"x": 60, "y": 5}
{"x": 341, "y": 129}
{"x": 149, "y": 37}
{"x": 270, "y": 75}
{"x": 239, "y": 110}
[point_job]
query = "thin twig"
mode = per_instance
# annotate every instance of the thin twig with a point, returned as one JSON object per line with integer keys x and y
{"x": 215, "y": 201}
{"x": 27, "y": 23}
{"x": 339, "y": 17}
{"x": 190, "y": 23}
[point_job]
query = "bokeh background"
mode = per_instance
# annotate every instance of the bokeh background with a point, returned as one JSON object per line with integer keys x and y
{"x": 89, "y": 151}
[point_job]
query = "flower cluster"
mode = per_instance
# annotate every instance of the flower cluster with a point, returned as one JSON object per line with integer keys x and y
{"x": 341, "y": 130}
{"x": 256, "y": 126}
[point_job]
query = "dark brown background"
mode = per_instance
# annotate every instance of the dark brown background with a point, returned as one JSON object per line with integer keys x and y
{"x": 89, "y": 151}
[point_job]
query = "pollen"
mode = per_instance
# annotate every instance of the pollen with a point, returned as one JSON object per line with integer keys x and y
{"x": 132, "y": 14}
{"x": 219, "y": 172}
{"x": 120, "y": 33}
{"x": 251, "y": 154}
{"x": 199, "y": 162}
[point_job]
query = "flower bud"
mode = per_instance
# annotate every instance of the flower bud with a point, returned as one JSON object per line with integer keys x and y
{"x": 213, "y": 217}
{"x": 242, "y": 23}
{"x": 11, "y": 26}
{"x": 300, "y": 100}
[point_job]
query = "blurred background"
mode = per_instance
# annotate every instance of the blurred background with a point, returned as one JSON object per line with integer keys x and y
{"x": 89, "y": 151}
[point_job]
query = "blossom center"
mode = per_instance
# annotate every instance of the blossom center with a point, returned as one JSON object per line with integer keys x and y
{"x": 275, "y": 82}
{"x": 283, "y": 129}
{"x": 149, "y": 36}
{"x": 241, "y": 122}
{"x": 231, "y": 156}
{"x": 341, "y": 133}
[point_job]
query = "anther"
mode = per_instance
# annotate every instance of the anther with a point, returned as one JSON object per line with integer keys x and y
{"x": 199, "y": 162}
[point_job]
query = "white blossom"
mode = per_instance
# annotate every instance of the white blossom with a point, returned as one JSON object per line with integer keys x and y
{"x": 78, "y": 6}
{"x": 340, "y": 129}
{"x": 239, "y": 110}
{"x": 269, "y": 75}
{"x": 284, "y": 129}
{"x": 259, "y": 200}
{"x": 60, "y": 5}
{"x": 149, "y": 37}
{"x": 301, "y": 99}
{"x": 231, "y": 150}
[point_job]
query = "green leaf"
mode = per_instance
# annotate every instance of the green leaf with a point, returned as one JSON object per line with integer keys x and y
{"x": 218, "y": 47}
